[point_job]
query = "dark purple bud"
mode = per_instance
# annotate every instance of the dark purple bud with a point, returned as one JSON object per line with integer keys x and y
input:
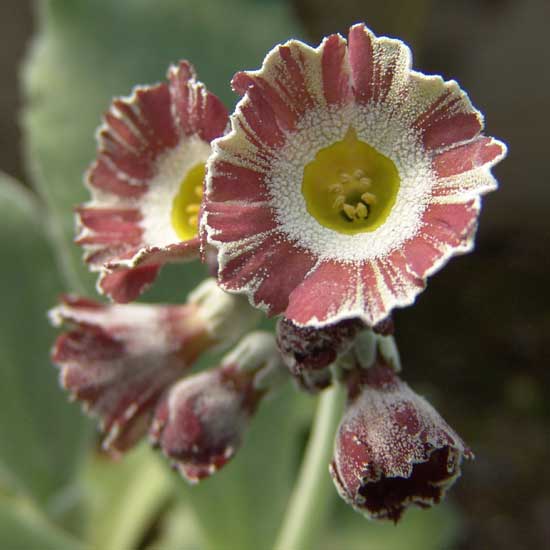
{"x": 392, "y": 448}
{"x": 308, "y": 352}
{"x": 384, "y": 327}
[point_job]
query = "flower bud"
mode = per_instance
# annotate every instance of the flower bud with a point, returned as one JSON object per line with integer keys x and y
{"x": 392, "y": 448}
{"x": 308, "y": 352}
{"x": 201, "y": 421}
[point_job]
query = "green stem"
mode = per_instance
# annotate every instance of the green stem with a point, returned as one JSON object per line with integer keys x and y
{"x": 309, "y": 502}
{"x": 135, "y": 505}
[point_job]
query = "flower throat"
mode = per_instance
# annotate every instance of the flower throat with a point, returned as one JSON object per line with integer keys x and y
{"x": 350, "y": 187}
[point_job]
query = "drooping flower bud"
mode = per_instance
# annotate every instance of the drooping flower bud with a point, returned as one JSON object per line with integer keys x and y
{"x": 201, "y": 421}
{"x": 308, "y": 352}
{"x": 119, "y": 359}
{"x": 392, "y": 448}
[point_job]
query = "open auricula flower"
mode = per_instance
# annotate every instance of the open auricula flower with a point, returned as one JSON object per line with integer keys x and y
{"x": 346, "y": 180}
{"x": 147, "y": 180}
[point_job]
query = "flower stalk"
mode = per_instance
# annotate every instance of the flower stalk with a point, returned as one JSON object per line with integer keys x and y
{"x": 312, "y": 493}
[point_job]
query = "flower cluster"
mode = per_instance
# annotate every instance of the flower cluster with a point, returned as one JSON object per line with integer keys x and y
{"x": 342, "y": 180}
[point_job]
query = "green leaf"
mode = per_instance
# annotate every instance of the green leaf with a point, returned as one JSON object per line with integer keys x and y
{"x": 41, "y": 435}
{"x": 434, "y": 529}
{"x": 88, "y": 51}
{"x": 23, "y": 527}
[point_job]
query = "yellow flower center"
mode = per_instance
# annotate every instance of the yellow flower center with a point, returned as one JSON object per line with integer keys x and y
{"x": 350, "y": 187}
{"x": 186, "y": 205}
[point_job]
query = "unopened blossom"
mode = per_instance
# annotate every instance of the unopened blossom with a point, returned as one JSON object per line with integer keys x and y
{"x": 346, "y": 180}
{"x": 200, "y": 423}
{"x": 309, "y": 352}
{"x": 119, "y": 359}
{"x": 392, "y": 449}
{"x": 147, "y": 182}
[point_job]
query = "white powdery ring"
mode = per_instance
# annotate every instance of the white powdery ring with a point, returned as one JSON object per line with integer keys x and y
{"x": 389, "y": 136}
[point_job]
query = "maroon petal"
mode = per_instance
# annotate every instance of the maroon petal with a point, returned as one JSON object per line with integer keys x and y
{"x": 397, "y": 280}
{"x": 447, "y": 227}
{"x": 233, "y": 222}
{"x": 287, "y": 74}
{"x": 109, "y": 225}
{"x": 256, "y": 267}
{"x": 375, "y": 68}
{"x": 196, "y": 110}
{"x": 451, "y": 224}
{"x": 477, "y": 153}
{"x": 261, "y": 91}
{"x": 137, "y": 130}
{"x": 327, "y": 290}
{"x": 336, "y": 77}
{"x": 231, "y": 182}
{"x": 105, "y": 176}
{"x": 449, "y": 120}
{"x": 125, "y": 285}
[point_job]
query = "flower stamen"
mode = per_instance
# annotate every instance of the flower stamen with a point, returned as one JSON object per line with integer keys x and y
{"x": 186, "y": 205}
{"x": 350, "y": 187}
{"x": 349, "y": 211}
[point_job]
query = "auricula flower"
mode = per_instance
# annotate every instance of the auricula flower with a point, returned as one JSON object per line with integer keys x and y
{"x": 147, "y": 182}
{"x": 347, "y": 179}
{"x": 119, "y": 359}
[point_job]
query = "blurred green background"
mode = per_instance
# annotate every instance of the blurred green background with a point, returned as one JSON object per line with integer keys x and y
{"x": 476, "y": 343}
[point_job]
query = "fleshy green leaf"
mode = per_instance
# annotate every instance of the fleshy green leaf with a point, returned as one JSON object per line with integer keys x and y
{"x": 41, "y": 435}
{"x": 434, "y": 529}
{"x": 23, "y": 527}
{"x": 87, "y": 51}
